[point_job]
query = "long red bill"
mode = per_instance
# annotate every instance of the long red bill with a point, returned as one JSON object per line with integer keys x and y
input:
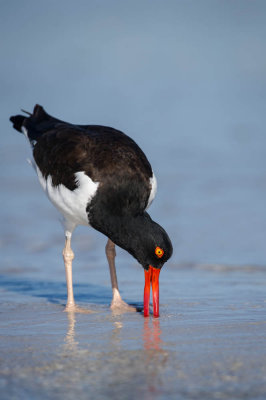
{"x": 151, "y": 279}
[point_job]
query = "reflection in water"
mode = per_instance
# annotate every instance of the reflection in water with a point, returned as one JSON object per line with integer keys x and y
{"x": 152, "y": 334}
{"x": 146, "y": 365}
{"x": 116, "y": 335}
{"x": 71, "y": 345}
{"x": 118, "y": 364}
{"x": 155, "y": 356}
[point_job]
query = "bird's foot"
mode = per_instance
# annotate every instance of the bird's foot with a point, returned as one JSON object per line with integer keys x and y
{"x": 77, "y": 309}
{"x": 119, "y": 306}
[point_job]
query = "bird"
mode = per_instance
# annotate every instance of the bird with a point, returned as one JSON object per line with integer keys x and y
{"x": 98, "y": 176}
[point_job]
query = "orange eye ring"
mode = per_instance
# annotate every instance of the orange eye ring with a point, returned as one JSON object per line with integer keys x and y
{"x": 159, "y": 252}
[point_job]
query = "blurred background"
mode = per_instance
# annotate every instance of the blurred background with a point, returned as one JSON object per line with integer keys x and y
{"x": 185, "y": 79}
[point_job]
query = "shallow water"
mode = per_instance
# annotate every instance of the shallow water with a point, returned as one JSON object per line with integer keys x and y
{"x": 208, "y": 343}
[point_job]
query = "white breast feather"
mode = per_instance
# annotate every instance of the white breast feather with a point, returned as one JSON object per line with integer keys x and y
{"x": 71, "y": 203}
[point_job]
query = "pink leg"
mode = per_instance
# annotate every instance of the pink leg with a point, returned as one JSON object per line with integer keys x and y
{"x": 117, "y": 305}
{"x": 68, "y": 257}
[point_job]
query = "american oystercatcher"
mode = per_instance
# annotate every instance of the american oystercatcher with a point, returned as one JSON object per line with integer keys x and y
{"x": 98, "y": 176}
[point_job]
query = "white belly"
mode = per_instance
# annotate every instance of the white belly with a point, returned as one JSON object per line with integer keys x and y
{"x": 71, "y": 203}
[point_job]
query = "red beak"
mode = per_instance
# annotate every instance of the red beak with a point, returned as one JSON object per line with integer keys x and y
{"x": 151, "y": 278}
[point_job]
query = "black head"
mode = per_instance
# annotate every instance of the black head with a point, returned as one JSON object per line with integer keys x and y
{"x": 150, "y": 245}
{"x": 148, "y": 242}
{"x": 145, "y": 240}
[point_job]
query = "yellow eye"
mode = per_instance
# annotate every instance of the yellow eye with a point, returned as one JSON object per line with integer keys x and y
{"x": 159, "y": 252}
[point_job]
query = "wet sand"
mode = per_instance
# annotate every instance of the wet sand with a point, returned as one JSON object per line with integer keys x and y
{"x": 209, "y": 342}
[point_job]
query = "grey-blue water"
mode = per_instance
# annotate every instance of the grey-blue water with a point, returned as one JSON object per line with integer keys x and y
{"x": 186, "y": 80}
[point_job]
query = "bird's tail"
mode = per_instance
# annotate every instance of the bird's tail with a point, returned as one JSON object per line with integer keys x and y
{"x": 19, "y": 121}
{"x": 35, "y": 124}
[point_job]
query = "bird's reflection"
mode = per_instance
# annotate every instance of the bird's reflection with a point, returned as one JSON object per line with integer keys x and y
{"x": 71, "y": 344}
{"x": 152, "y": 334}
{"x": 116, "y": 334}
{"x": 152, "y": 354}
{"x": 155, "y": 356}
{"x": 148, "y": 350}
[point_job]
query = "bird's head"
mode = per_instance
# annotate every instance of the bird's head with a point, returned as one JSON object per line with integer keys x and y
{"x": 151, "y": 246}
{"x": 144, "y": 239}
